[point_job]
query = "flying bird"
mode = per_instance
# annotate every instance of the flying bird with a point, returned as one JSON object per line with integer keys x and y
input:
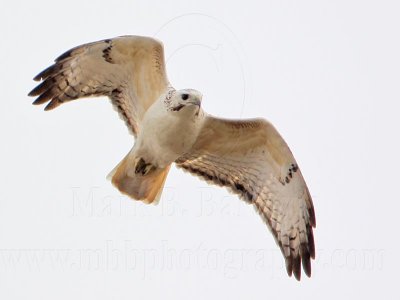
{"x": 248, "y": 157}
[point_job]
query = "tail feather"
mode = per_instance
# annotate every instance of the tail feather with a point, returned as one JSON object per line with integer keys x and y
{"x": 147, "y": 188}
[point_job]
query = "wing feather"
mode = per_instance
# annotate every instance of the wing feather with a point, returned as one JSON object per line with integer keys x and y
{"x": 251, "y": 159}
{"x": 130, "y": 70}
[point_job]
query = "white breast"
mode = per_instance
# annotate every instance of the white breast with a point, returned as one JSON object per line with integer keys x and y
{"x": 165, "y": 135}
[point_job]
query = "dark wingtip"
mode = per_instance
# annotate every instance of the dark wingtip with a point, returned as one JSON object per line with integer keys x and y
{"x": 38, "y": 77}
{"x": 41, "y": 75}
{"x": 289, "y": 266}
{"x": 311, "y": 245}
{"x": 49, "y": 71}
{"x": 41, "y": 88}
{"x": 305, "y": 260}
{"x": 52, "y": 105}
{"x": 43, "y": 98}
{"x": 307, "y": 265}
{"x": 313, "y": 221}
{"x": 297, "y": 267}
{"x": 311, "y": 211}
{"x": 297, "y": 276}
{"x": 65, "y": 55}
{"x": 36, "y": 102}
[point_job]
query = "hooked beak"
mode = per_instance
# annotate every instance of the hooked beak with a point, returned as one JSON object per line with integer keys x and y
{"x": 196, "y": 102}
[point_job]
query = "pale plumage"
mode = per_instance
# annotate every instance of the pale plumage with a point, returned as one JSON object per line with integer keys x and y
{"x": 252, "y": 160}
{"x": 130, "y": 70}
{"x": 249, "y": 157}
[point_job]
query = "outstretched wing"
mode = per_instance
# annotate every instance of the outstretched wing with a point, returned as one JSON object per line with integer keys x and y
{"x": 130, "y": 70}
{"x": 251, "y": 159}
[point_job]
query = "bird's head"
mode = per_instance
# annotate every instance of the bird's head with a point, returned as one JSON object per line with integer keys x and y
{"x": 187, "y": 100}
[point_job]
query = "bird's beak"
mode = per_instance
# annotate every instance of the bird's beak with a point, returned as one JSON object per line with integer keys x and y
{"x": 196, "y": 102}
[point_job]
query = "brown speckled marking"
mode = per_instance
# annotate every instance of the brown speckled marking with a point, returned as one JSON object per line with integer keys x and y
{"x": 293, "y": 169}
{"x": 107, "y": 54}
{"x": 168, "y": 97}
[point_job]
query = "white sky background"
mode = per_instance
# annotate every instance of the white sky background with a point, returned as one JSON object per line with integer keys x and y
{"x": 326, "y": 73}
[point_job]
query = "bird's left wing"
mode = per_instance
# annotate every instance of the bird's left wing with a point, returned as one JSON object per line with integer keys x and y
{"x": 251, "y": 159}
{"x": 129, "y": 69}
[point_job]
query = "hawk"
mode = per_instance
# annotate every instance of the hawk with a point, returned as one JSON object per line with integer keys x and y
{"x": 248, "y": 157}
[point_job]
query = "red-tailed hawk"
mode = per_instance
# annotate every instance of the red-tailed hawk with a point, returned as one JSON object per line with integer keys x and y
{"x": 248, "y": 157}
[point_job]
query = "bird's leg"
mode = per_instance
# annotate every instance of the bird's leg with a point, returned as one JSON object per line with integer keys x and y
{"x": 142, "y": 167}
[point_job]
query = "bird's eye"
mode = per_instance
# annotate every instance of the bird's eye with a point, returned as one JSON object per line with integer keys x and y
{"x": 185, "y": 96}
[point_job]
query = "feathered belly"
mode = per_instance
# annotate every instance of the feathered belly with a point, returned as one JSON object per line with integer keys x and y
{"x": 163, "y": 144}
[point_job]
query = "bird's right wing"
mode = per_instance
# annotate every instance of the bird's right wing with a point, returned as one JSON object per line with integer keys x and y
{"x": 251, "y": 159}
{"x": 130, "y": 70}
